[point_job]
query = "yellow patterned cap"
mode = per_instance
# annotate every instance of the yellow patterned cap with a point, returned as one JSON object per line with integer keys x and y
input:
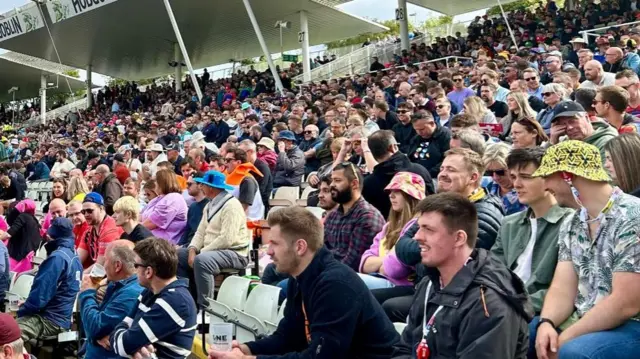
{"x": 576, "y": 157}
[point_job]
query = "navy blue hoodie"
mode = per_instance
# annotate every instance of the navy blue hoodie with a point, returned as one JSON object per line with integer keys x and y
{"x": 58, "y": 279}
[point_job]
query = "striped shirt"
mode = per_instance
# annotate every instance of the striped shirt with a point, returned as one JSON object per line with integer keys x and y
{"x": 166, "y": 320}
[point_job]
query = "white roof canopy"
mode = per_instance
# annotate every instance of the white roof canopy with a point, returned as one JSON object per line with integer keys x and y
{"x": 133, "y": 39}
{"x": 25, "y": 72}
{"x": 456, "y": 7}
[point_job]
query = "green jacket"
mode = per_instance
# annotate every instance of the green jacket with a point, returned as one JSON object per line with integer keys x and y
{"x": 512, "y": 240}
{"x": 602, "y": 133}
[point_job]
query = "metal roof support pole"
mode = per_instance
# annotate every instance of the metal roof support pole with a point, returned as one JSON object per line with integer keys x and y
{"x": 89, "y": 93}
{"x": 43, "y": 99}
{"x": 506, "y": 21}
{"x": 303, "y": 37}
{"x": 263, "y": 44}
{"x": 401, "y": 16}
{"x": 178, "y": 72}
{"x": 185, "y": 55}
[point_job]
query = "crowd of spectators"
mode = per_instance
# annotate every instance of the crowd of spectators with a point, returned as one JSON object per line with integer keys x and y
{"x": 491, "y": 206}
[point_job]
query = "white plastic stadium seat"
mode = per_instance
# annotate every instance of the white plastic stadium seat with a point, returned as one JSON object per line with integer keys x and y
{"x": 271, "y": 327}
{"x": 12, "y": 278}
{"x": 232, "y": 295}
{"x": 285, "y": 196}
{"x": 317, "y": 211}
{"x": 261, "y": 307}
{"x": 40, "y": 256}
{"x": 275, "y": 208}
{"x": 22, "y": 285}
{"x": 305, "y": 194}
{"x": 281, "y": 311}
{"x": 399, "y": 327}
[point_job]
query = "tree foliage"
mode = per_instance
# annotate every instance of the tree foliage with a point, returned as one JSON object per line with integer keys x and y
{"x": 520, "y": 5}
{"x": 72, "y": 73}
{"x": 394, "y": 30}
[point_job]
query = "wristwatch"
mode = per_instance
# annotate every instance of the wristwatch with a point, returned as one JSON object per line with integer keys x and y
{"x": 545, "y": 320}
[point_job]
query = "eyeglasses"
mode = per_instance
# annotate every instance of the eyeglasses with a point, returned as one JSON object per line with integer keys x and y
{"x": 530, "y": 79}
{"x": 87, "y": 211}
{"x": 227, "y": 160}
{"x": 545, "y": 94}
{"x": 490, "y": 173}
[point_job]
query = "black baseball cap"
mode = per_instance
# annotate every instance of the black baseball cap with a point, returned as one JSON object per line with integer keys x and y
{"x": 567, "y": 109}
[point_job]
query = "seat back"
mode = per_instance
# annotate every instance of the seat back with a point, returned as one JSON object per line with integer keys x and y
{"x": 285, "y": 196}
{"x": 22, "y": 285}
{"x": 12, "y": 278}
{"x": 41, "y": 253}
{"x": 399, "y": 327}
{"x": 263, "y": 302}
{"x": 317, "y": 211}
{"x": 281, "y": 311}
{"x": 233, "y": 292}
{"x": 305, "y": 195}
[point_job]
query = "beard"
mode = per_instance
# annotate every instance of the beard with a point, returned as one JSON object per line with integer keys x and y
{"x": 341, "y": 197}
{"x": 288, "y": 263}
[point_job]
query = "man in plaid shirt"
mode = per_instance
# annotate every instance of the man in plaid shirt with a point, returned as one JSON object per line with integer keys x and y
{"x": 349, "y": 230}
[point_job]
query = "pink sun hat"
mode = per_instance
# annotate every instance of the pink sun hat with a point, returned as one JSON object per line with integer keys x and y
{"x": 409, "y": 183}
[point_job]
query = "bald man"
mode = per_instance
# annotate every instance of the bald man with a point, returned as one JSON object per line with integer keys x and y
{"x": 100, "y": 317}
{"x": 613, "y": 60}
{"x": 57, "y": 208}
{"x": 403, "y": 93}
{"x": 596, "y": 76}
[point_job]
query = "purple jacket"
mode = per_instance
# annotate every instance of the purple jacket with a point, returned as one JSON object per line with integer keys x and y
{"x": 395, "y": 271}
{"x": 169, "y": 214}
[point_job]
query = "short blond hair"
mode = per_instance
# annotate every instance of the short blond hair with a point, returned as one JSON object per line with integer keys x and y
{"x": 129, "y": 206}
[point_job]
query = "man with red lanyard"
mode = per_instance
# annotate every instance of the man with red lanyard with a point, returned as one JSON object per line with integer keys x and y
{"x": 103, "y": 231}
{"x": 469, "y": 304}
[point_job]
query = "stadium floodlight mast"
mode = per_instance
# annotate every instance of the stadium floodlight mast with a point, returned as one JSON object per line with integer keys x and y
{"x": 12, "y": 91}
{"x": 280, "y": 24}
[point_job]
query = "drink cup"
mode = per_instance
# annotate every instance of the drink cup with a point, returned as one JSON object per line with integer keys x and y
{"x": 97, "y": 273}
{"x": 14, "y": 301}
{"x": 222, "y": 336}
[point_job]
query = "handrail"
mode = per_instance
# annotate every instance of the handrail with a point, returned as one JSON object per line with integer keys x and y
{"x": 587, "y": 33}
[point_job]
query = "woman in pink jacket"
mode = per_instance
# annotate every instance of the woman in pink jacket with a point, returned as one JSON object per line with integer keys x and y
{"x": 379, "y": 266}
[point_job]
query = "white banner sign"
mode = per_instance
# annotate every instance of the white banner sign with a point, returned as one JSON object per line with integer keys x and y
{"x": 20, "y": 22}
{"x": 60, "y": 10}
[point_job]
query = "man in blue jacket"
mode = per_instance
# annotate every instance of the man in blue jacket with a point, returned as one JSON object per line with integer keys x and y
{"x": 99, "y": 319}
{"x": 49, "y": 307}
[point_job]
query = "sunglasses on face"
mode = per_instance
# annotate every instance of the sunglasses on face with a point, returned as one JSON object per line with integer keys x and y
{"x": 490, "y": 173}
{"x": 87, "y": 211}
{"x": 530, "y": 79}
{"x": 457, "y": 80}
{"x": 546, "y": 94}
{"x": 308, "y": 132}
{"x": 440, "y": 107}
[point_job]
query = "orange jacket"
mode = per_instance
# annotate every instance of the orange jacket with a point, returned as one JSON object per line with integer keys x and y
{"x": 246, "y": 169}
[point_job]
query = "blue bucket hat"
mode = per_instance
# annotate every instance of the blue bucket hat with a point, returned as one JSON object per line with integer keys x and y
{"x": 287, "y": 135}
{"x": 214, "y": 179}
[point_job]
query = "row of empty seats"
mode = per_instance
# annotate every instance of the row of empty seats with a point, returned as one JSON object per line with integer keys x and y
{"x": 253, "y": 311}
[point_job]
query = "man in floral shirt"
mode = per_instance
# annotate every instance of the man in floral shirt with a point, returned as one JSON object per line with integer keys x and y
{"x": 594, "y": 298}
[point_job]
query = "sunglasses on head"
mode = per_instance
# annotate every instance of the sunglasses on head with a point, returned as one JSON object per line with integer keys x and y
{"x": 490, "y": 173}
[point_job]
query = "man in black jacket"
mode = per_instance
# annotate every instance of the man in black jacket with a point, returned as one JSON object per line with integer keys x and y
{"x": 384, "y": 149}
{"x": 461, "y": 173}
{"x": 469, "y": 305}
{"x": 427, "y": 148}
{"x": 403, "y": 130}
{"x": 330, "y": 313}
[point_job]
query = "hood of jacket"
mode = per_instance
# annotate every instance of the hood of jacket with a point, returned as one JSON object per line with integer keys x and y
{"x": 486, "y": 270}
{"x": 61, "y": 232}
{"x": 601, "y": 129}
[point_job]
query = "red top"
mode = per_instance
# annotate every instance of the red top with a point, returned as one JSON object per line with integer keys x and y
{"x": 96, "y": 241}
